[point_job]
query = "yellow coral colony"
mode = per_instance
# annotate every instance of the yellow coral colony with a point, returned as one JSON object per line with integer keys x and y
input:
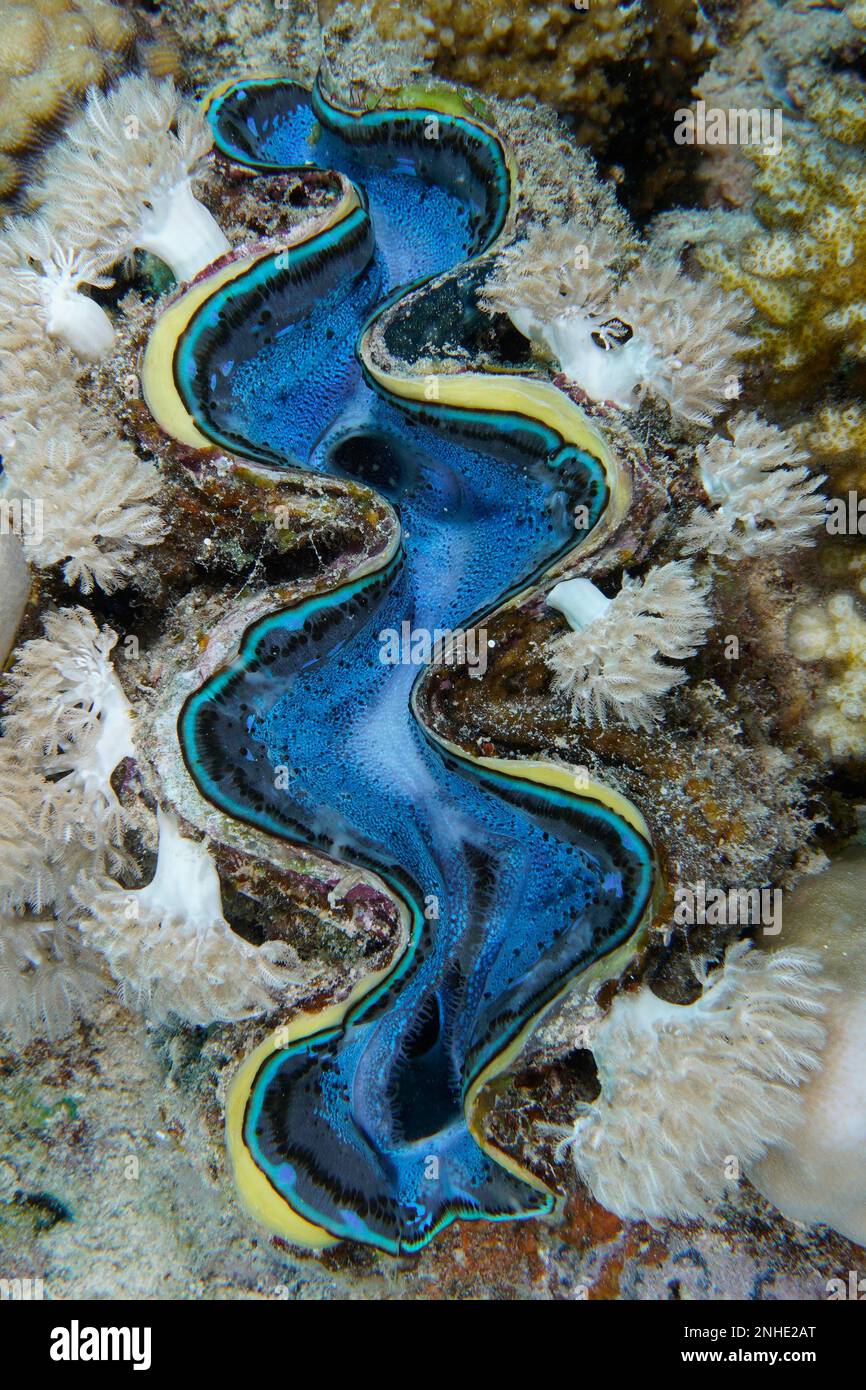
{"x": 579, "y": 59}
{"x": 803, "y": 266}
{"x": 834, "y": 633}
{"x": 51, "y": 51}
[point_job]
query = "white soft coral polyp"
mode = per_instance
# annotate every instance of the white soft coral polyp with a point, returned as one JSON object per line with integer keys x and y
{"x": 693, "y": 1094}
{"x": 618, "y": 375}
{"x": 122, "y": 177}
{"x": 170, "y": 946}
{"x": 75, "y": 319}
{"x": 40, "y": 280}
{"x": 178, "y": 229}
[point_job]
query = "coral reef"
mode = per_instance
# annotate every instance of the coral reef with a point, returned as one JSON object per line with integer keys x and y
{"x": 52, "y": 53}
{"x": 800, "y": 266}
{"x": 214, "y": 794}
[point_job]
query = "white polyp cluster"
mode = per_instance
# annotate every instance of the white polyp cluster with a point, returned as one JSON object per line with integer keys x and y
{"x": 609, "y": 663}
{"x": 41, "y": 280}
{"x": 618, "y": 334}
{"x": 170, "y": 946}
{"x": 122, "y": 177}
{"x": 181, "y": 232}
{"x": 766, "y": 500}
{"x": 653, "y": 1145}
{"x": 113, "y": 741}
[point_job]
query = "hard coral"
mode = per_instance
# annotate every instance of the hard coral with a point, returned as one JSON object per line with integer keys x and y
{"x": 800, "y": 260}
{"x": 51, "y": 51}
{"x": 835, "y": 633}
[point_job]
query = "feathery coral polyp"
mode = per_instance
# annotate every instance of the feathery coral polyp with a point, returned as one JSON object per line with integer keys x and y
{"x": 609, "y": 666}
{"x": 122, "y": 176}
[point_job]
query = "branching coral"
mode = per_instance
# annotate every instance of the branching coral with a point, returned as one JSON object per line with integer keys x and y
{"x": 96, "y": 496}
{"x": 170, "y": 945}
{"x": 768, "y": 501}
{"x": 690, "y": 1094}
{"x": 836, "y": 435}
{"x": 615, "y": 338}
{"x": 609, "y": 665}
{"x": 801, "y": 262}
{"x": 122, "y": 177}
